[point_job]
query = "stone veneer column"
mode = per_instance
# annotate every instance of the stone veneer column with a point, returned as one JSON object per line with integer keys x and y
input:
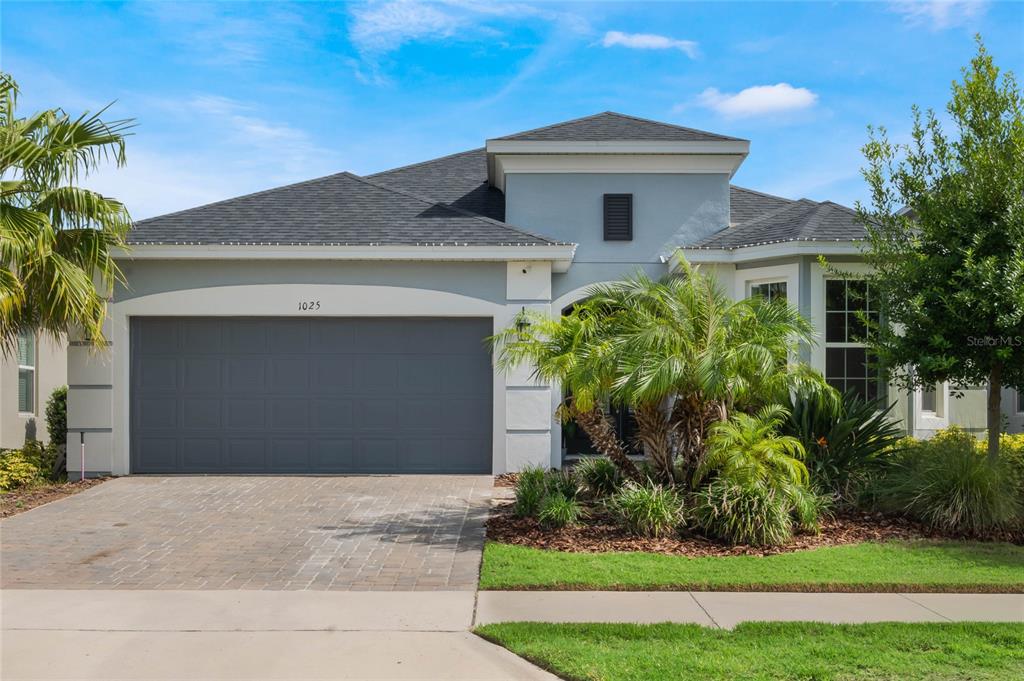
{"x": 528, "y": 414}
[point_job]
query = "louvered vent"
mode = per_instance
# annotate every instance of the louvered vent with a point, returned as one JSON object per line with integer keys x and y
{"x": 618, "y": 217}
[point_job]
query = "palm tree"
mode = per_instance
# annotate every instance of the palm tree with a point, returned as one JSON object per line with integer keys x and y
{"x": 574, "y": 351}
{"x": 678, "y": 351}
{"x": 747, "y": 450}
{"x": 56, "y": 238}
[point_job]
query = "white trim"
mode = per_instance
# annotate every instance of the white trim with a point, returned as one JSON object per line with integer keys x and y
{"x": 779, "y": 249}
{"x": 561, "y": 255}
{"x": 499, "y": 146}
{"x": 723, "y": 164}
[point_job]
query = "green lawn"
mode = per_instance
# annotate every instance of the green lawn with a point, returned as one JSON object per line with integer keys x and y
{"x": 891, "y": 566}
{"x": 776, "y": 651}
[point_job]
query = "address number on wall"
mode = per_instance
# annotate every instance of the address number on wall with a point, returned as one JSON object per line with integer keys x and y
{"x": 309, "y": 305}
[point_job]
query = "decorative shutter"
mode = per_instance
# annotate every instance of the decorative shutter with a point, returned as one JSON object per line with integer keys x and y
{"x": 618, "y": 217}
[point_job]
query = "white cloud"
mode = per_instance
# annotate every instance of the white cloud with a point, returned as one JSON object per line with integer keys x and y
{"x": 758, "y": 100}
{"x": 649, "y": 41}
{"x": 939, "y": 14}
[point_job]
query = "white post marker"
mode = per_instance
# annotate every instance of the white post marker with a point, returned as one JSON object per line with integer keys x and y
{"x": 82, "y": 434}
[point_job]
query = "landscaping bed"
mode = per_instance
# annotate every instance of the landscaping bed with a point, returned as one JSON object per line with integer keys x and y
{"x": 768, "y": 651}
{"x": 25, "y": 498}
{"x": 599, "y": 534}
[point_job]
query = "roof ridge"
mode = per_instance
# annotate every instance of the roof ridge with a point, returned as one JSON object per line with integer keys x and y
{"x": 423, "y": 163}
{"x": 243, "y": 196}
{"x": 760, "y": 193}
{"x": 447, "y": 206}
{"x": 619, "y": 115}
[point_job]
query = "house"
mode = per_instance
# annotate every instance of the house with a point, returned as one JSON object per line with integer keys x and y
{"x": 37, "y": 366}
{"x": 338, "y": 325}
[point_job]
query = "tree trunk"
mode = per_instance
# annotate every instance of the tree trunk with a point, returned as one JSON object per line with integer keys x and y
{"x": 595, "y": 424}
{"x": 653, "y": 432}
{"x": 995, "y": 411}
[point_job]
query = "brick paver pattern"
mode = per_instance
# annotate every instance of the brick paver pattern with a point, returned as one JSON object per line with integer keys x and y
{"x": 389, "y": 533}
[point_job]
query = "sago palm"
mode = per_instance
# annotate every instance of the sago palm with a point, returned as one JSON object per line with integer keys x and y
{"x": 56, "y": 238}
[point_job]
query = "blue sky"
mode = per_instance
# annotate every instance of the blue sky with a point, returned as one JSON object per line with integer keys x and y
{"x": 237, "y": 97}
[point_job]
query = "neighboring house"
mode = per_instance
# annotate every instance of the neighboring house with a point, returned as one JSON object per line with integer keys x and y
{"x": 338, "y": 325}
{"x": 26, "y": 380}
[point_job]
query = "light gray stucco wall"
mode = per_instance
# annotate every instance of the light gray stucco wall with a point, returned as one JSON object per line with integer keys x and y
{"x": 668, "y": 210}
{"x": 484, "y": 280}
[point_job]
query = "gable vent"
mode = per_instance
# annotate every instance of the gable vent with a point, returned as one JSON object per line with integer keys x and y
{"x": 618, "y": 217}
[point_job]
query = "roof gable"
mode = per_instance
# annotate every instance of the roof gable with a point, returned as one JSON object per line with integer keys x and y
{"x": 611, "y": 126}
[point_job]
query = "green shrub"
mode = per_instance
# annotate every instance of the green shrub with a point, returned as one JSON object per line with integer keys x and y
{"x": 57, "y": 416}
{"x": 743, "y": 514}
{"x": 598, "y": 476}
{"x": 17, "y": 469}
{"x": 949, "y": 484}
{"x": 529, "y": 491}
{"x": 558, "y": 510}
{"x": 847, "y": 443}
{"x": 561, "y": 482}
{"x": 649, "y": 510}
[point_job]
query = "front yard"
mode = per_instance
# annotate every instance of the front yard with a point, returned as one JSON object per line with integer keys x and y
{"x": 936, "y": 566}
{"x": 775, "y": 651}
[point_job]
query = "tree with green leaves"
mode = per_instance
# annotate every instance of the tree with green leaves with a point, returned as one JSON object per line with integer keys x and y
{"x": 56, "y": 238}
{"x": 946, "y": 241}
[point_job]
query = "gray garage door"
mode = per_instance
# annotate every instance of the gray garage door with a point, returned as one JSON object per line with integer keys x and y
{"x": 285, "y": 395}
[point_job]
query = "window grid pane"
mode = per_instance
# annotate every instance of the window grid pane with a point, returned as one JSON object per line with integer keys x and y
{"x": 26, "y": 390}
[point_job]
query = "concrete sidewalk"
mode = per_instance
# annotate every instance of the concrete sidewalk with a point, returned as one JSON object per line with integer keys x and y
{"x": 93, "y": 634}
{"x": 726, "y": 609}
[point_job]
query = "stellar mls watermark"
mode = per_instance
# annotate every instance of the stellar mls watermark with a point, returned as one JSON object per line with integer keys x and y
{"x": 995, "y": 341}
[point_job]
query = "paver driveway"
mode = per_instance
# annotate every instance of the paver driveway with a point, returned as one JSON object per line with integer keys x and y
{"x": 340, "y": 533}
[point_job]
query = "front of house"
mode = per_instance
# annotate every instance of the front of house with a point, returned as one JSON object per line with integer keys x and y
{"x": 338, "y": 325}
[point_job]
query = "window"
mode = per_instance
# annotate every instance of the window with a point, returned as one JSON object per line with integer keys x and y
{"x": 770, "y": 291}
{"x": 848, "y": 364}
{"x": 1020, "y": 401}
{"x": 928, "y": 399}
{"x": 618, "y": 217}
{"x": 26, "y": 373}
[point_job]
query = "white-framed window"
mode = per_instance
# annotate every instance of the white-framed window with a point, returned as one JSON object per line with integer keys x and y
{"x": 769, "y": 290}
{"x": 848, "y": 363}
{"x": 26, "y": 373}
{"x": 1020, "y": 401}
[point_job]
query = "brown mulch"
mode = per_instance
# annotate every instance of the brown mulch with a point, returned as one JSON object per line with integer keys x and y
{"x": 599, "y": 535}
{"x": 25, "y": 498}
{"x": 505, "y": 479}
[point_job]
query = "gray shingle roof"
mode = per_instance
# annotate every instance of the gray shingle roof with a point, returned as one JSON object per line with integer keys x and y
{"x": 802, "y": 220}
{"x": 460, "y": 180}
{"x": 747, "y": 204}
{"x": 611, "y": 126}
{"x": 341, "y": 209}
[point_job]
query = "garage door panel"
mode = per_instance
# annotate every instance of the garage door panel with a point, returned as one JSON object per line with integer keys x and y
{"x": 202, "y": 374}
{"x": 158, "y": 454}
{"x": 245, "y": 375}
{"x": 245, "y": 337}
{"x": 155, "y": 413}
{"x": 376, "y": 455}
{"x": 332, "y": 375}
{"x": 292, "y": 395}
{"x": 332, "y": 414}
{"x": 202, "y": 336}
{"x": 246, "y": 414}
{"x": 158, "y": 374}
{"x": 201, "y": 453}
{"x": 199, "y": 413}
{"x": 247, "y": 454}
{"x": 333, "y": 455}
{"x": 376, "y": 375}
{"x": 289, "y": 455}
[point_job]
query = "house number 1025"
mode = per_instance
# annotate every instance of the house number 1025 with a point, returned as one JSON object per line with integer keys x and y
{"x": 307, "y": 305}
